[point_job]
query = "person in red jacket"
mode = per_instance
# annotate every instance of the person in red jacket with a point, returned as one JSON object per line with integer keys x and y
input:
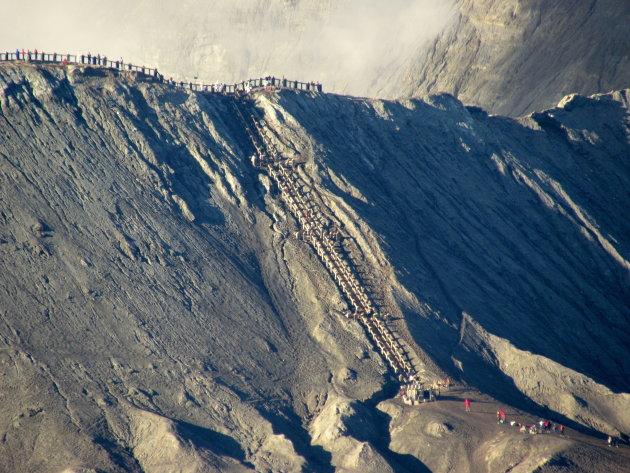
{"x": 467, "y": 404}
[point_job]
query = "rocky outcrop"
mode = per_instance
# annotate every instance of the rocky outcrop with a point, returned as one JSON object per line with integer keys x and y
{"x": 159, "y": 311}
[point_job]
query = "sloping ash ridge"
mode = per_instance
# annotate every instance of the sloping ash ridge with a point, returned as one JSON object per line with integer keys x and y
{"x": 158, "y": 313}
{"x": 513, "y": 57}
{"x": 512, "y": 225}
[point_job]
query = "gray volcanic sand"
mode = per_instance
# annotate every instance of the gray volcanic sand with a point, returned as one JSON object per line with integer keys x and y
{"x": 158, "y": 313}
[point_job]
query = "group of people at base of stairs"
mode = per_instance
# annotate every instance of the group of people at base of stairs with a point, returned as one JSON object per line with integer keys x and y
{"x": 541, "y": 427}
{"x": 414, "y": 392}
{"x": 268, "y": 82}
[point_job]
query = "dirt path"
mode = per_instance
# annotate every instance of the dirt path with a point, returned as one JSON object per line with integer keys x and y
{"x": 447, "y": 438}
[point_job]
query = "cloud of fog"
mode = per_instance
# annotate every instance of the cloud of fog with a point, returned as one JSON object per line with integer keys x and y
{"x": 352, "y": 46}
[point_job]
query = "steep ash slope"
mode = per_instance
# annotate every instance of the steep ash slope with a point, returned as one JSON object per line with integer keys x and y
{"x": 146, "y": 289}
{"x": 158, "y": 313}
{"x": 503, "y": 242}
{"x": 518, "y": 56}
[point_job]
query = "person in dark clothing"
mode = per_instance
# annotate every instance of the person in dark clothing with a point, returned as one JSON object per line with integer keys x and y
{"x": 89, "y": 58}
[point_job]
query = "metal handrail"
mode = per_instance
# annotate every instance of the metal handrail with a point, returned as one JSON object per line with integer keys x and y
{"x": 102, "y": 61}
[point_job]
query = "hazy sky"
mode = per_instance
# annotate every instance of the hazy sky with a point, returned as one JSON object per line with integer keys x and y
{"x": 348, "y": 44}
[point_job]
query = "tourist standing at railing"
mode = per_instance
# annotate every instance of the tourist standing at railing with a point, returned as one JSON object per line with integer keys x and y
{"x": 246, "y": 86}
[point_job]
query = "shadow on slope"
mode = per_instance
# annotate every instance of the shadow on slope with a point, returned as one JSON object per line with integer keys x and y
{"x": 216, "y": 442}
{"x": 470, "y": 222}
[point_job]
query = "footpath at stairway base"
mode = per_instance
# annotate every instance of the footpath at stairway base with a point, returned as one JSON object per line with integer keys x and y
{"x": 323, "y": 240}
